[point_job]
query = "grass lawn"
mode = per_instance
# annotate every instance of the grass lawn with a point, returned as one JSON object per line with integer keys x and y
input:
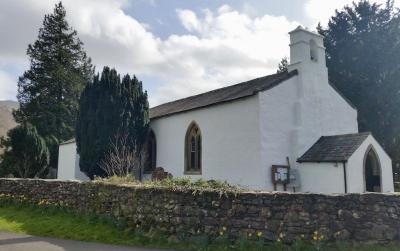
{"x": 34, "y": 221}
{"x": 50, "y": 222}
{"x": 58, "y": 223}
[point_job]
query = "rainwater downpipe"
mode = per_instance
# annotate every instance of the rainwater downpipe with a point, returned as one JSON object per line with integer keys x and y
{"x": 345, "y": 176}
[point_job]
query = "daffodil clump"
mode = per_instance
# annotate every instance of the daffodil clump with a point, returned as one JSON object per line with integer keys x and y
{"x": 6, "y": 198}
{"x": 317, "y": 236}
{"x": 281, "y": 237}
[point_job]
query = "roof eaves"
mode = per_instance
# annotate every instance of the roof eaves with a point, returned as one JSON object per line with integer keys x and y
{"x": 321, "y": 161}
{"x": 202, "y": 106}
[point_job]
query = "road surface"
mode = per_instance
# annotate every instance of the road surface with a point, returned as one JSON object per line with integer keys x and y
{"x": 20, "y": 242}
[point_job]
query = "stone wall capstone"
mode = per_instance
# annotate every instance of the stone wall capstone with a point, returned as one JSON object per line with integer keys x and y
{"x": 357, "y": 217}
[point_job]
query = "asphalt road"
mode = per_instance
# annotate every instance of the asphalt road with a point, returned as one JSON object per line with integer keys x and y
{"x": 19, "y": 242}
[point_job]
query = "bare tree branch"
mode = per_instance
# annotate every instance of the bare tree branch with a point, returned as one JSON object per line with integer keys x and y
{"x": 122, "y": 159}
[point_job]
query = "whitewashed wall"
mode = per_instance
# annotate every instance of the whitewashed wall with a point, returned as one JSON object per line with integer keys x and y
{"x": 230, "y": 142}
{"x": 244, "y": 138}
{"x": 277, "y": 118}
{"x": 68, "y": 163}
{"x": 291, "y": 121}
{"x": 321, "y": 177}
{"x": 323, "y": 112}
{"x": 355, "y": 168}
{"x": 320, "y": 110}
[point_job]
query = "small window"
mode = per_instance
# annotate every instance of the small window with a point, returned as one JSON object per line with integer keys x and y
{"x": 151, "y": 159}
{"x": 193, "y": 150}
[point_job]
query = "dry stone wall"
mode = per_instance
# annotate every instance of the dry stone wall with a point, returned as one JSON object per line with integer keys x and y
{"x": 359, "y": 217}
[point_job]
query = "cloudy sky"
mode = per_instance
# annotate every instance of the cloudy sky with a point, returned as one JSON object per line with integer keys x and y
{"x": 176, "y": 47}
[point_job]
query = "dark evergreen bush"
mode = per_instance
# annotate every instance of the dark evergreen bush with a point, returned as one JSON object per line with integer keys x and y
{"x": 110, "y": 107}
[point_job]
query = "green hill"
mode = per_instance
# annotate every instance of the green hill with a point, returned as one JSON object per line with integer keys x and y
{"x": 6, "y": 119}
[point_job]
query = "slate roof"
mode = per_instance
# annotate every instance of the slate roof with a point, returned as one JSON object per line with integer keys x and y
{"x": 68, "y": 141}
{"x": 241, "y": 90}
{"x": 337, "y": 148}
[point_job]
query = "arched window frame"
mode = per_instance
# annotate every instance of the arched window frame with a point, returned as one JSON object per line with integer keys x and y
{"x": 370, "y": 148}
{"x": 193, "y": 150}
{"x": 151, "y": 147}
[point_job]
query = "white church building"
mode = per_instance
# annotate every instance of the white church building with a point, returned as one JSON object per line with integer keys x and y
{"x": 289, "y": 131}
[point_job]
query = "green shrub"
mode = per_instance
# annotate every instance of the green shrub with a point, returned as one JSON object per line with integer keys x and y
{"x": 397, "y": 186}
{"x": 175, "y": 183}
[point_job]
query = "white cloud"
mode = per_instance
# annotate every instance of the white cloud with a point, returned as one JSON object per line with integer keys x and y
{"x": 8, "y": 86}
{"x": 227, "y": 47}
{"x": 221, "y": 47}
{"x": 189, "y": 20}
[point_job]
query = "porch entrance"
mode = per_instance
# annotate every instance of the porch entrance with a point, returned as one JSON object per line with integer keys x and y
{"x": 372, "y": 171}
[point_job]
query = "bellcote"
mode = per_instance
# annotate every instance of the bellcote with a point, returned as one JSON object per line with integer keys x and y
{"x": 306, "y": 48}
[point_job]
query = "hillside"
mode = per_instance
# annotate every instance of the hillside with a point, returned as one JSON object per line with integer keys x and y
{"x": 6, "y": 119}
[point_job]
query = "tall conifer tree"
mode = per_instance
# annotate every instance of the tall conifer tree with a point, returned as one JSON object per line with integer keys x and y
{"x": 110, "y": 107}
{"x": 49, "y": 91}
{"x": 363, "y": 56}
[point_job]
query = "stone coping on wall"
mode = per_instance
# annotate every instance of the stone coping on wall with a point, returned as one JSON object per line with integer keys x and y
{"x": 159, "y": 187}
{"x": 373, "y": 217}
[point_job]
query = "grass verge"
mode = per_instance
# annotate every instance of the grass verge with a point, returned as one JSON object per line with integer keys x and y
{"x": 49, "y": 221}
{"x": 60, "y": 223}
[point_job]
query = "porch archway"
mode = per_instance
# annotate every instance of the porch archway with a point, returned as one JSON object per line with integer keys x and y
{"x": 372, "y": 171}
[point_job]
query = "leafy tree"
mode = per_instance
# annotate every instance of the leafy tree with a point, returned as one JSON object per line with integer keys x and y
{"x": 283, "y": 65}
{"x": 26, "y": 154}
{"x": 110, "y": 107}
{"x": 363, "y": 56}
{"x": 48, "y": 93}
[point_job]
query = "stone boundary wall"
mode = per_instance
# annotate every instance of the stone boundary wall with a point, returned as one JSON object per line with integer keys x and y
{"x": 356, "y": 217}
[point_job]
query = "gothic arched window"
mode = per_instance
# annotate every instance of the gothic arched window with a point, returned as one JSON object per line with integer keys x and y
{"x": 193, "y": 150}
